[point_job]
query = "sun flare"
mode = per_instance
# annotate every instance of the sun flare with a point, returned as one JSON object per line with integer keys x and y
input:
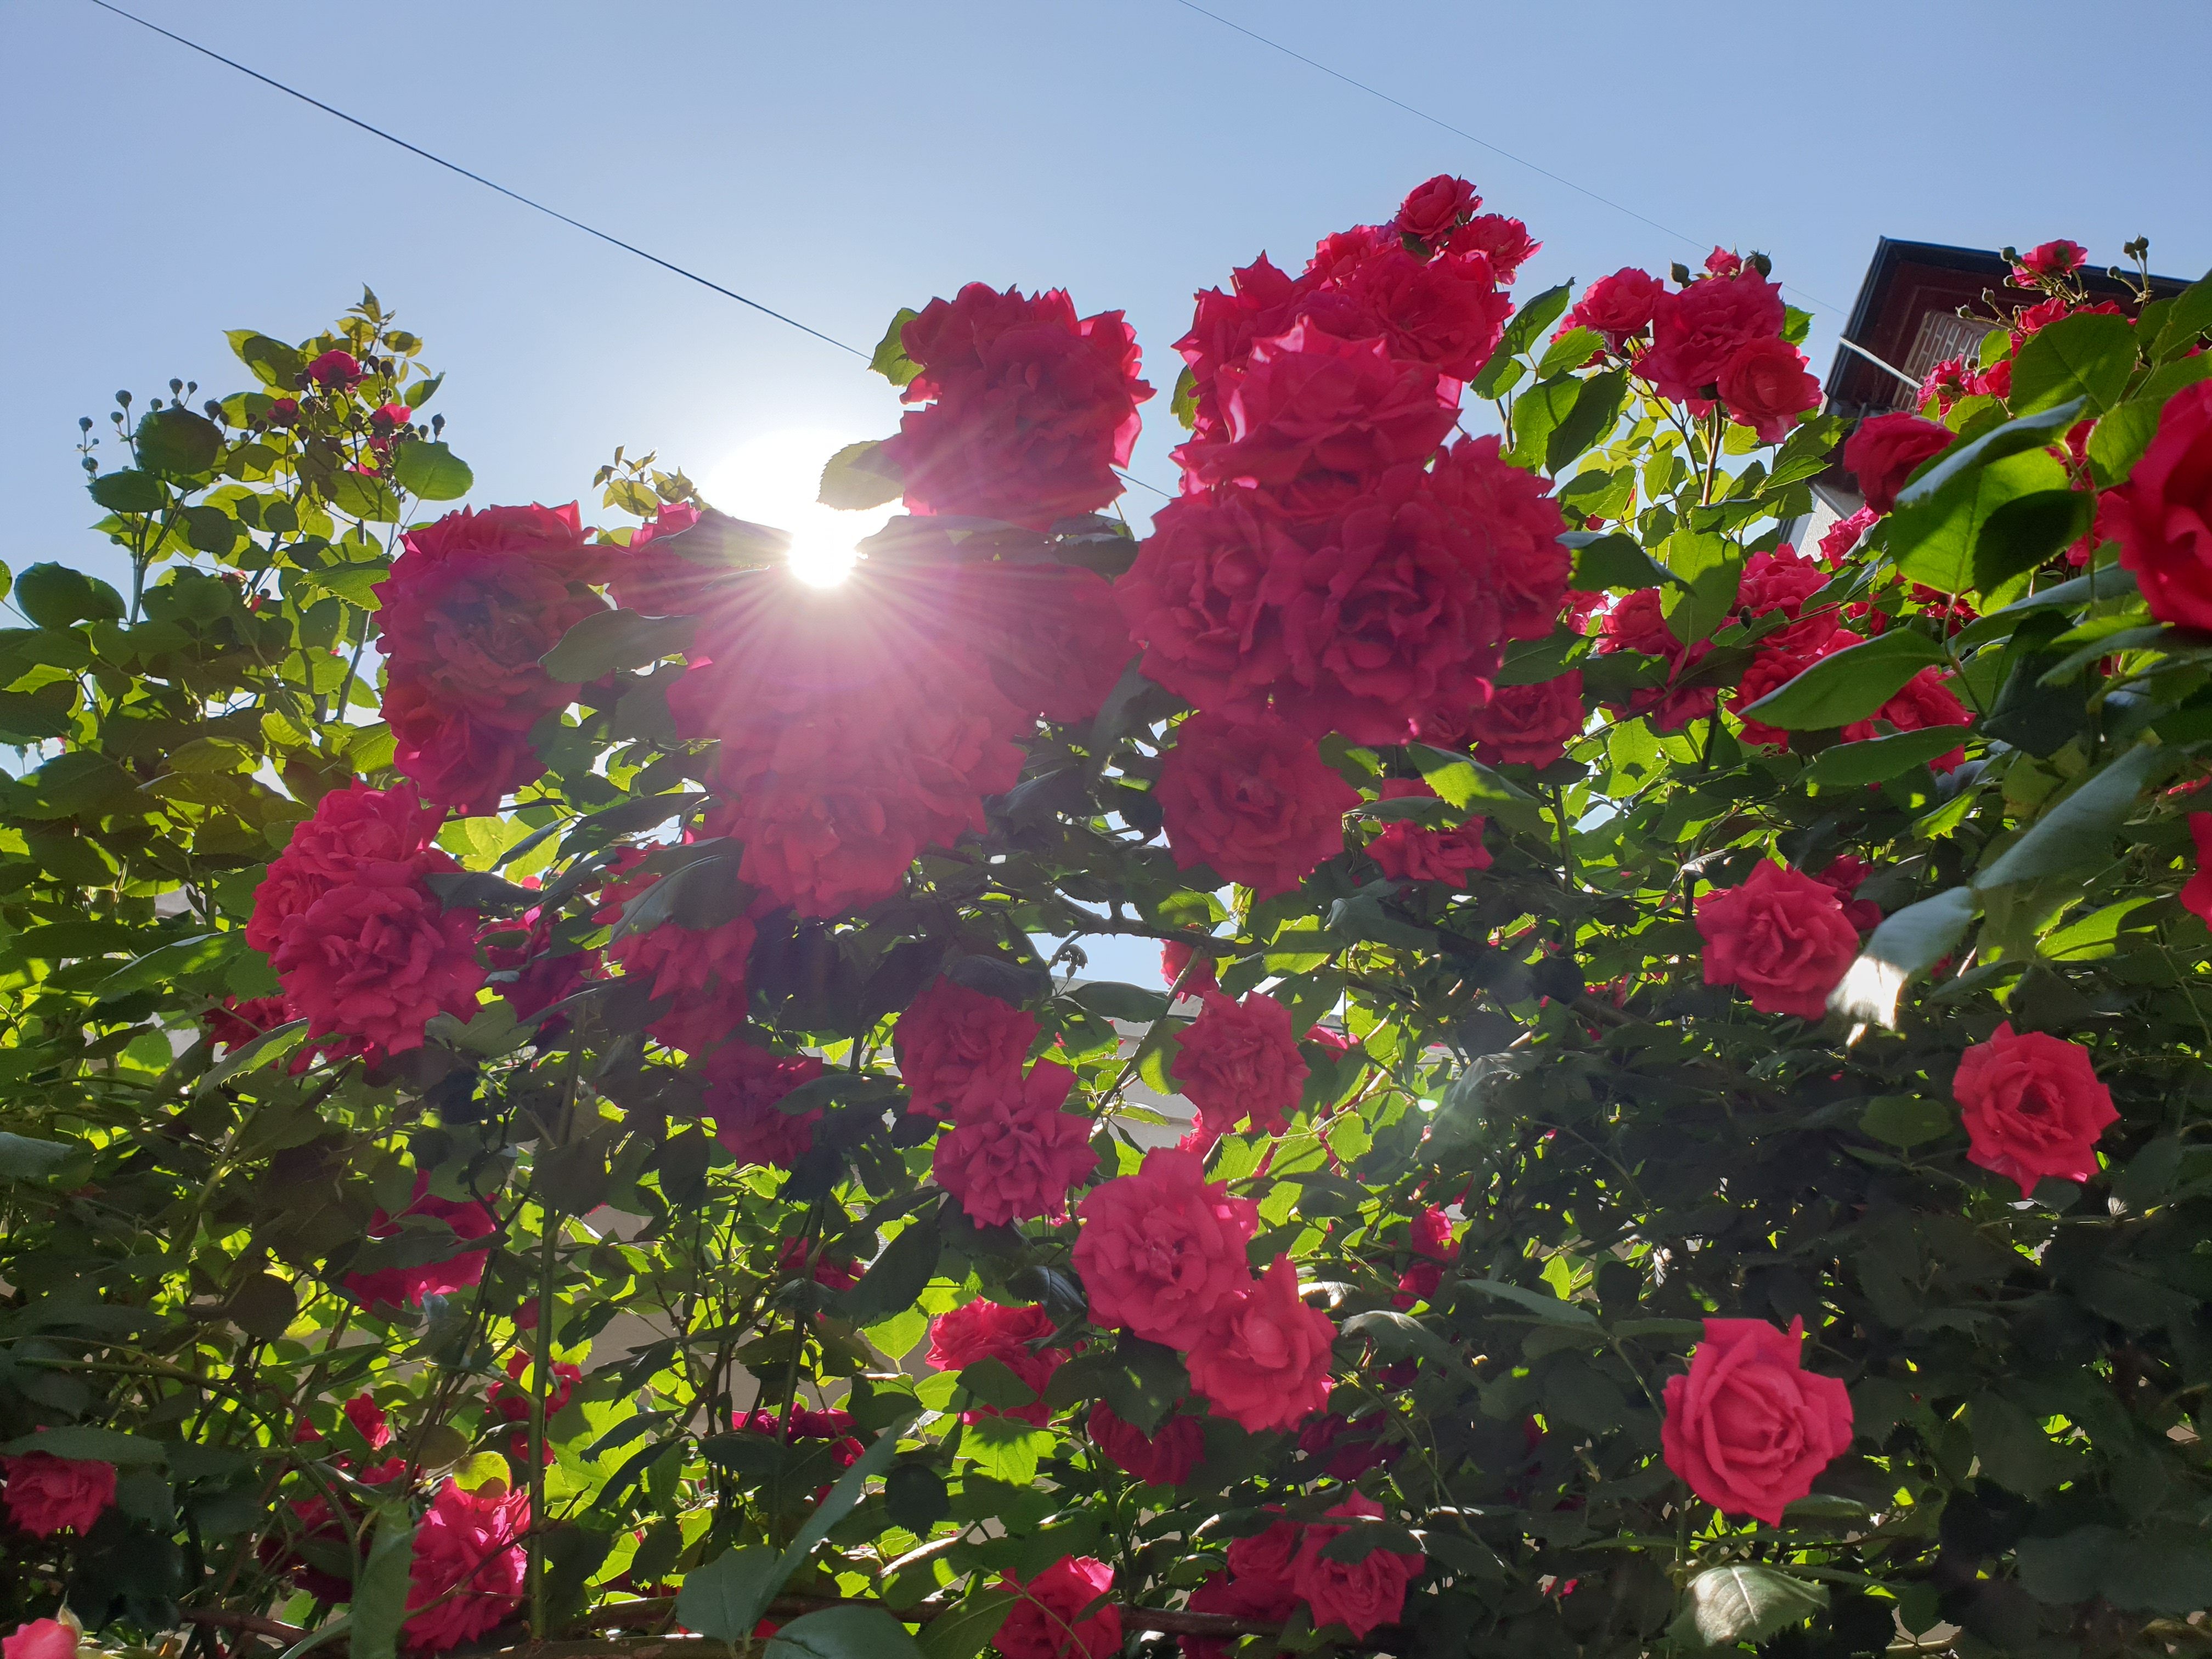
{"x": 773, "y": 479}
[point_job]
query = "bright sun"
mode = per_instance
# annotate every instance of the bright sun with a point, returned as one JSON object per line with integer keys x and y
{"x": 772, "y": 480}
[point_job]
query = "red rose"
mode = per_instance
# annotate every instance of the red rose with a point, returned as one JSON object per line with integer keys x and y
{"x": 1723, "y": 262}
{"x": 1780, "y": 938}
{"x": 656, "y": 580}
{"x": 700, "y": 969}
{"x": 467, "y": 1541}
{"x": 1781, "y": 658}
{"x": 1529, "y": 725}
{"x": 1637, "y": 622}
{"x": 405, "y": 1287}
{"x": 979, "y": 1330}
{"x": 1013, "y": 1152}
{"x": 2197, "y": 891}
{"x": 40, "y": 1639}
{"x": 1342, "y": 1455}
{"x": 339, "y": 370}
{"x": 1765, "y": 387}
{"x": 512, "y": 1404}
{"x": 1175, "y": 968}
{"x": 1444, "y": 312}
{"x": 1749, "y": 1427}
{"x": 1506, "y": 527}
{"x": 351, "y": 827}
{"x": 1162, "y": 1251}
{"x": 1503, "y": 241}
{"x": 1781, "y": 581}
{"x": 2056, "y": 258}
{"x": 1340, "y": 252}
{"x": 2161, "y": 516}
{"x": 1164, "y": 1458}
{"x": 1239, "y": 1061}
{"x": 1357, "y": 1595}
{"x": 1431, "y": 211}
{"x": 1945, "y": 384}
{"x": 46, "y": 1494}
{"x": 838, "y": 1272}
{"x": 1695, "y": 332}
{"x": 1406, "y": 852}
{"x": 1266, "y": 1558}
{"x": 2033, "y": 1107}
{"x": 1266, "y": 1360}
{"x": 744, "y": 1084}
{"x": 1055, "y": 640}
{"x": 1028, "y": 410}
{"x": 454, "y": 757}
{"x": 1198, "y": 596}
{"x": 951, "y": 1041}
{"x": 1887, "y": 449}
{"x": 1048, "y": 1622}
{"x": 369, "y": 1421}
{"x": 1843, "y": 877}
{"x": 1263, "y": 303}
{"x": 370, "y": 962}
{"x": 1618, "y": 307}
{"x": 1995, "y": 381}
{"x": 1308, "y": 402}
{"x": 1841, "y": 539}
{"x": 283, "y": 412}
{"x": 1925, "y": 701}
{"x": 1256, "y": 802}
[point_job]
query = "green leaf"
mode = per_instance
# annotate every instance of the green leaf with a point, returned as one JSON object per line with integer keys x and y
{"x": 859, "y": 476}
{"x": 1363, "y": 1538}
{"x": 845, "y": 1632}
{"x": 1570, "y": 352}
{"x": 992, "y": 1380}
{"x": 2022, "y": 533}
{"x": 271, "y": 1045}
{"x": 273, "y": 363}
{"x": 55, "y": 596}
{"x": 2014, "y": 1451}
{"x": 2080, "y": 828}
{"x": 1006, "y": 1447}
{"x": 1591, "y": 421}
{"x": 2088, "y": 357}
{"x": 1850, "y": 685}
{"x": 22, "y": 1158}
{"x": 1115, "y": 1001}
{"x": 1538, "y": 313}
{"x": 724, "y": 1599}
{"x": 1744, "y": 1602}
{"x": 168, "y": 963}
{"x": 432, "y": 471}
{"x": 608, "y": 641}
{"x": 1614, "y": 562}
{"x": 895, "y": 1280}
{"x": 87, "y": 1445}
{"x": 2028, "y": 432}
{"x": 1537, "y": 414}
{"x": 1906, "y": 1120}
{"x": 176, "y": 443}
{"x": 1907, "y": 944}
{"x": 1709, "y": 568}
{"x": 367, "y": 496}
{"x": 128, "y": 491}
{"x": 1469, "y": 784}
{"x": 2109, "y": 583}
{"x": 2170, "y": 1575}
{"x": 842, "y": 1496}
{"x": 965, "y": 1629}
{"x": 1875, "y": 760}
{"x": 1536, "y": 1302}
{"x": 379, "y": 1603}
{"x": 1936, "y": 540}
{"x": 890, "y": 359}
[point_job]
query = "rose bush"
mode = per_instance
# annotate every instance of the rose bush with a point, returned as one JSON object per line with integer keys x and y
{"x": 556, "y": 1087}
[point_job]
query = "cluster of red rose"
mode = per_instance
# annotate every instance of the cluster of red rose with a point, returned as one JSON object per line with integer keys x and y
{"x": 362, "y": 948}
{"x": 1333, "y": 565}
{"x": 857, "y": 727}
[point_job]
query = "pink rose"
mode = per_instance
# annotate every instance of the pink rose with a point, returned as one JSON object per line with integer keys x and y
{"x": 1357, "y": 1595}
{"x": 1266, "y": 1360}
{"x": 1766, "y": 386}
{"x": 2033, "y": 1107}
{"x": 372, "y": 961}
{"x": 369, "y": 1421}
{"x": 1013, "y": 1153}
{"x": 1886, "y": 450}
{"x": 2058, "y": 258}
{"x": 1620, "y": 306}
{"x": 1841, "y": 539}
{"x": 1504, "y": 241}
{"x": 1255, "y": 801}
{"x": 981, "y": 1329}
{"x": 1430, "y": 211}
{"x": 46, "y": 1494}
{"x": 336, "y": 370}
{"x": 1049, "y": 1621}
{"x": 2161, "y": 515}
{"x": 1695, "y": 332}
{"x": 466, "y": 1541}
{"x": 951, "y": 1041}
{"x": 1239, "y": 1061}
{"x": 1749, "y": 1427}
{"x": 1781, "y": 581}
{"x": 1164, "y": 1458}
{"x": 1162, "y": 1251}
{"x": 41, "y": 1638}
{"x": 1780, "y": 938}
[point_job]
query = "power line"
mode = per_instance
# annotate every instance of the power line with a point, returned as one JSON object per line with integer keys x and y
{"x": 517, "y": 196}
{"x": 477, "y": 178}
{"x": 1462, "y": 133}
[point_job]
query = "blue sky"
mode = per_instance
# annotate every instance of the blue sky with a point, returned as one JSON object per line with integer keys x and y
{"x": 836, "y": 161}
